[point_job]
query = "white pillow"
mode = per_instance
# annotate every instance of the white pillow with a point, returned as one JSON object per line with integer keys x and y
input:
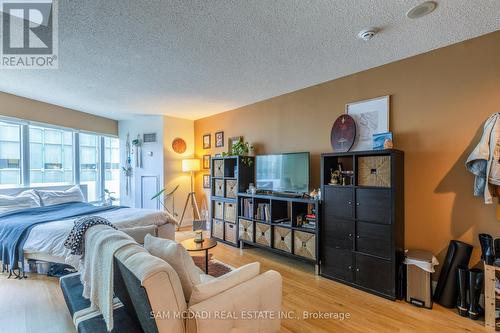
{"x": 214, "y": 287}
{"x": 26, "y": 199}
{"x": 49, "y": 198}
{"x": 177, "y": 257}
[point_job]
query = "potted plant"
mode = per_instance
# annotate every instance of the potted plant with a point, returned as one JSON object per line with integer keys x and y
{"x": 241, "y": 148}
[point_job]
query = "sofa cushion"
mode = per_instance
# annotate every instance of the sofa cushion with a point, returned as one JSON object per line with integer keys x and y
{"x": 216, "y": 286}
{"x": 177, "y": 256}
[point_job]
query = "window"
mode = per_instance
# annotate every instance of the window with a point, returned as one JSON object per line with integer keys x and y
{"x": 36, "y": 155}
{"x": 51, "y": 156}
{"x": 10, "y": 154}
{"x": 112, "y": 165}
{"x": 89, "y": 164}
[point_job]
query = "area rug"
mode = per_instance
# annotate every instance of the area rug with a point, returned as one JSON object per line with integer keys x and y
{"x": 216, "y": 268}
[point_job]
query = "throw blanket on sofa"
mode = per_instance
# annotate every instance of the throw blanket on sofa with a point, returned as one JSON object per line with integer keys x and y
{"x": 96, "y": 269}
{"x": 76, "y": 238}
{"x": 15, "y": 226}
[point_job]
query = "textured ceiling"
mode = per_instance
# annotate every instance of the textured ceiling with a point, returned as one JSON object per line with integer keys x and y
{"x": 191, "y": 59}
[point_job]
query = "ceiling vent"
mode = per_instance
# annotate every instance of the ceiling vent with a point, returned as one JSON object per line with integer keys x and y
{"x": 367, "y": 34}
{"x": 422, "y": 10}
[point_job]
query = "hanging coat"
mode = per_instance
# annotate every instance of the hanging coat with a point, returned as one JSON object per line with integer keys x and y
{"x": 484, "y": 161}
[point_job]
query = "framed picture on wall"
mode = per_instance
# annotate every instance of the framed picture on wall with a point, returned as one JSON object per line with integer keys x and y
{"x": 207, "y": 144}
{"x": 219, "y": 139}
{"x": 206, "y": 161}
{"x": 232, "y": 141}
{"x": 371, "y": 117}
{"x": 206, "y": 181}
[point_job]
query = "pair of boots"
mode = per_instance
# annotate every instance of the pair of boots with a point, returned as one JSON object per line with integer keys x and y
{"x": 470, "y": 280}
{"x": 490, "y": 249}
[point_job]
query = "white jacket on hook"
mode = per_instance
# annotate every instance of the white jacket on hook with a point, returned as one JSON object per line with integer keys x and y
{"x": 484, "y": 161}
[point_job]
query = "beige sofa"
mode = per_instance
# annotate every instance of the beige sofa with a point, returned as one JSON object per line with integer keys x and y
{"x": 228, "y": 311}
{"x": 151, "y": 291}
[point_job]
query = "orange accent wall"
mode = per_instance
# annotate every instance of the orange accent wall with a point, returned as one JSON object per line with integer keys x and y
{"x": 439, "y": 101}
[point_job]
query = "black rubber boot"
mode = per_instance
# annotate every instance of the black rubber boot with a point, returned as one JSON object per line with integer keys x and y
{"x": 497, "y": 252}
{"x": 476, "y": 279}
{"x": 462, "y": 306}
{"x": 488, "y": 254}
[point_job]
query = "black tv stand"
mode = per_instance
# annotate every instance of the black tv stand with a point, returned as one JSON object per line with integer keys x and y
{"x": 290, "y": 225}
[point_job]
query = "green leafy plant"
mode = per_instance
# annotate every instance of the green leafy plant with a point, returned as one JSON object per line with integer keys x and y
{"x": 166, "y": 195}
{"x": 241, "y": 148}
{"x": 109, "y": 197}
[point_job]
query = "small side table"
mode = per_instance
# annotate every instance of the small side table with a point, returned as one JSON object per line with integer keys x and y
{"x": 192, "y": 246}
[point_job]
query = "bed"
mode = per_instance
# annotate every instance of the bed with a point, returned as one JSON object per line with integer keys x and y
{"x": 45, "y": 241}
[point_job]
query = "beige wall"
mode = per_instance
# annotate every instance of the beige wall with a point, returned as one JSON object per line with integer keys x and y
{"x": 439, "y": 101}
{"x": 29, "y": 109}
{"x": 173, "y": 175}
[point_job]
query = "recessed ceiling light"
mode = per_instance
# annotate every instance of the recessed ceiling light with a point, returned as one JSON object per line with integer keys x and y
{"x": 422, "y": 10}
{"x": 367, "y": 34}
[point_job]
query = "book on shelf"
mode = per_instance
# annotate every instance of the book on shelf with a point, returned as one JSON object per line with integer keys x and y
{"x": 247, "y": 208}
{"x": 263, "y": 212}
{"x": 309, "y": 226}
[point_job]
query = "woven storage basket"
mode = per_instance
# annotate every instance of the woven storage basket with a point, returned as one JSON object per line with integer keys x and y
{"x": 218, "y": 229}
{"x": 218, "y": 210}
{"x": 219, "y": 188}
{"x": 230, "y": 232}
{"x": 218, "y": 168}
{"x": 263, "y": 234}
{"x": 230, "y": 212}
{"x": 304, "y": 244}
{"x": 374, "y": 171}
{"x": 246, "y": 230}
{"x": 283, "y": 239}
{"x": 231, "y": 189}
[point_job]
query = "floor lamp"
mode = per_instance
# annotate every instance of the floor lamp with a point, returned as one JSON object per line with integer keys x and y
{"x": 191, "y": 165}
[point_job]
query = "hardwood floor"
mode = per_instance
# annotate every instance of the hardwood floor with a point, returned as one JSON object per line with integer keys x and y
{"x": 36, "y": 304}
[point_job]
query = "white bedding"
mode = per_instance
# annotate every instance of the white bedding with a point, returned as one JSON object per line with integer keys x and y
{"x": 48, "y": 238}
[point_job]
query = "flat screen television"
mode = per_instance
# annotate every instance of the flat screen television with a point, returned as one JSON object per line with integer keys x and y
{"x": 283, "y": 172}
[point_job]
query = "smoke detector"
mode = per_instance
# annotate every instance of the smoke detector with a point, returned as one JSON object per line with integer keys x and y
{"x": 422, "y": 10}
{"x": 367, "y": 34}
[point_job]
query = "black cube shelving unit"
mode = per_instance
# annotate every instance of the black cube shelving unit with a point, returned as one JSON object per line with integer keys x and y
{"x": 362, "y": 238}
{"x": 284, "y": 229}
{"x": 229, "y": 176}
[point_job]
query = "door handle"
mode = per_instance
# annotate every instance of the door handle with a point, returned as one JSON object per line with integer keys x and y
{"x": 357, "y": 203}
{"x": 350, "y": 268}
{"x": 350, "y": 235}
{"x": 349, "y": 202}
{"x": 357, "y": 269}
{"x": 357, "y": 237}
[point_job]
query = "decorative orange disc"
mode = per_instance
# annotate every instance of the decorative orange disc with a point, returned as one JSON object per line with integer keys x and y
{"x": 179, "y": 145}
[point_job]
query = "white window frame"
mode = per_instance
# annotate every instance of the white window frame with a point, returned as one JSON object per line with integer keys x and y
{"x": 25, "y": 153}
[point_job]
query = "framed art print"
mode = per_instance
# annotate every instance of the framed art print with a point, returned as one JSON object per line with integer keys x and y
{"x": 371, "y": 117}
{"x": 219, "y": 139}
{"x": 206, "y": 141}
{"x": 206, "y": 161}
{"x": 232, "y": 141}
{"x": 206, "y": 181}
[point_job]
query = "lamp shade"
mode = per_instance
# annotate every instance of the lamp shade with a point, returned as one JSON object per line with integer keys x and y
{"x": 190, "y": 164}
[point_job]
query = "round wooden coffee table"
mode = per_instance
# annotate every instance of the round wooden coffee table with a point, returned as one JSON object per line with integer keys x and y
{"x": 192, "y": 246}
